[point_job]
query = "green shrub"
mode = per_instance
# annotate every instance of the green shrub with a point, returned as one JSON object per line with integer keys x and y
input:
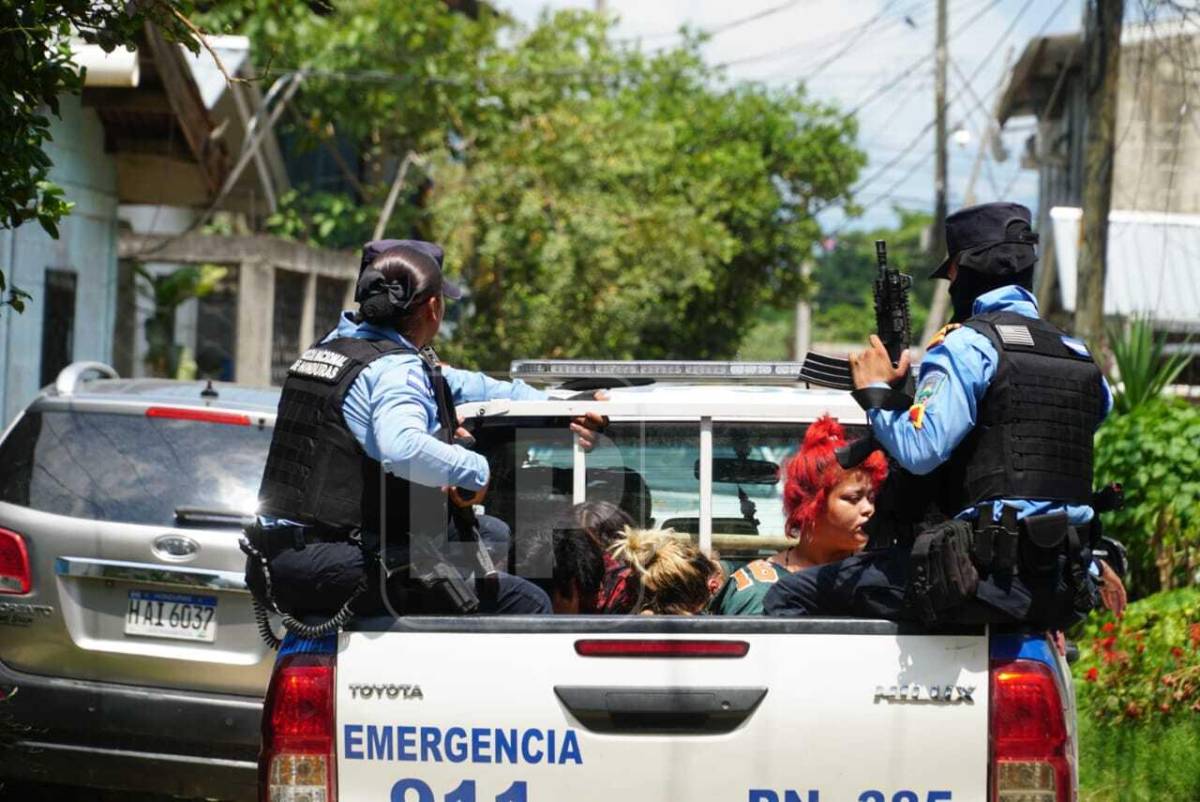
{"x": 1144, "y": 667}
{"x": 1152, "y": 451}
{"x": 1142, "y": 367}
{"x": 1138, "y": 692}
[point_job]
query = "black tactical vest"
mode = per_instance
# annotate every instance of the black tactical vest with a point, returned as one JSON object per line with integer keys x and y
{"x": 317, "y": 473}
{"x": 1033, "y": 435}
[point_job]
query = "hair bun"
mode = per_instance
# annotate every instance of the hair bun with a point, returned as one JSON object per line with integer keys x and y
{"x": 825, "y": 432}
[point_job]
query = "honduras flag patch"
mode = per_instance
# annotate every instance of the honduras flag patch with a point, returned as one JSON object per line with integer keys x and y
{"x": 1077, "y": 346}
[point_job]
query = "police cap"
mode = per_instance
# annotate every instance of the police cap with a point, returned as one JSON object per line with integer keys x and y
{"x": 991, "y": 238}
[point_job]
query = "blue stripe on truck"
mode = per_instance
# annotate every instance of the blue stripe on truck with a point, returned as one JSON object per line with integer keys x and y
{"x": 296, "y": 645}
{"x": 1023, "y": 646}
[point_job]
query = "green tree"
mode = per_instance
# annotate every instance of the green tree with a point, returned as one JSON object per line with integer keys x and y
{"x": 595, "y": 199}
{"x": 35, "y": 40}
{"x": 843, "y": 305}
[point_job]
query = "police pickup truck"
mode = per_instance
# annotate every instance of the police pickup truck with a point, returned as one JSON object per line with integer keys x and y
{"x": 744, "y": 709}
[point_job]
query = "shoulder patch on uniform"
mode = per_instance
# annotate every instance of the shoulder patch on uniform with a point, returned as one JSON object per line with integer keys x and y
{"x": 1015, "y": 335}
{"x": 320, "y": 364}
{"x": 940, "y": 337}
{"x": 1076, "y": 345}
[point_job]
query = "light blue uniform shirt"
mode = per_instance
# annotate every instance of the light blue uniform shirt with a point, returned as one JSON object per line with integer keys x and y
{"x": 953, "y": 378}
{"x": 392, "y": 412}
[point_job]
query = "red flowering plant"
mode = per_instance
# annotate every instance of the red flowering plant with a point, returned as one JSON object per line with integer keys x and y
{"x": 1145, "y": 665}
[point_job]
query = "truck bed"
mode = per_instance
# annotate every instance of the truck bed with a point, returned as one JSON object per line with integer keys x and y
{"x": 660, "y": 708}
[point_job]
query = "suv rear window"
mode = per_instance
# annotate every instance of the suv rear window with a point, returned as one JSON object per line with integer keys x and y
{"x": 130, "y": 468}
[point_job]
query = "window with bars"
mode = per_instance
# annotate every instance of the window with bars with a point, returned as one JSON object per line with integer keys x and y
{"x": 58, "y": 323}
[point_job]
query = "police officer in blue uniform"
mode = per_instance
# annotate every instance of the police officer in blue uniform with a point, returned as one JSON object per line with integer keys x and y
{"x": 372, "y": 405}
{"x": 1001, "y": 426}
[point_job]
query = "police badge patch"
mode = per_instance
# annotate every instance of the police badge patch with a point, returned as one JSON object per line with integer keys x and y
{"x": 320, "y": 364}
{"x": 930, "y": 385}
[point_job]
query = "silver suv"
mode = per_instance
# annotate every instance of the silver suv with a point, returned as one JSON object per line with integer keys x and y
{"x": 129, "y": 656}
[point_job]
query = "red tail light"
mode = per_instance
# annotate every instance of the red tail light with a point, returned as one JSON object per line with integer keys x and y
{"x": 201, "y": 415}
{"x": 14, "y": 564}
{"x": 661, "y": 648}
{"x": 1032, "y": 753}
{"x": 297, "y": 763}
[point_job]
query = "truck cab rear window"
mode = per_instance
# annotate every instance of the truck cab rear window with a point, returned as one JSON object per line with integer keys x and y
{"x": 130, "y": 468}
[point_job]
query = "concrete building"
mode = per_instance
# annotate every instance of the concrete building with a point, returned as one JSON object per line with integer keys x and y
{"x": 1156, "y": 168}
{"x": 157, "y": 140}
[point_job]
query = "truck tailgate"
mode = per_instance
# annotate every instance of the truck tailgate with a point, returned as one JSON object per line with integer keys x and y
{"x": 509, "y": 709}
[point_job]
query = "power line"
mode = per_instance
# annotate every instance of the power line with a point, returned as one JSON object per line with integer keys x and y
{"x": 991, "y": 53}
{"x": 724, "y": 26}
{"x": 919, "y": 62}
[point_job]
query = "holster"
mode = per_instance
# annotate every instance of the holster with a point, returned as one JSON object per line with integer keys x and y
{"x": 942, "y": 575}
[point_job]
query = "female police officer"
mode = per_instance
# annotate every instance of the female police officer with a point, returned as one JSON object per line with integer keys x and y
{"x": 355, "y": 454}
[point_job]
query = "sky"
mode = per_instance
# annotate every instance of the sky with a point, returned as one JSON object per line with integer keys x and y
{"x": 854, "y": 51}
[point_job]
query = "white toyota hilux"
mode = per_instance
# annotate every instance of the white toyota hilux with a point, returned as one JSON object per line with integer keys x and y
{"x": 664, "y": 708}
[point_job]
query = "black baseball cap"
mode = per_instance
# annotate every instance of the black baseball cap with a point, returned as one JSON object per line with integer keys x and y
{"x": 430, "y": 249}
{"x": 992, "y": 238}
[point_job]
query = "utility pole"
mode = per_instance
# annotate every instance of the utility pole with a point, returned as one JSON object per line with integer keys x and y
{"x": 601, "y": 6}
{"x": 937, "y": 243}
{"x": 1101, "y": 65}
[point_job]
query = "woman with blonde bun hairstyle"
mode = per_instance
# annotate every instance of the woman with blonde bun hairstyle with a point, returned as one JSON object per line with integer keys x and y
{"x": 673, "y": 573}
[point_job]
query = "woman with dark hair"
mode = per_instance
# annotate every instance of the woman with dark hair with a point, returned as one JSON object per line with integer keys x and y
{"x": 605, "y": 522}
{"x": 371, "y": 405}
{"x": 826, "y": 509}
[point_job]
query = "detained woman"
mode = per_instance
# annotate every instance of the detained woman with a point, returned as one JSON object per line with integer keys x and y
{"x": 826, "y": 509}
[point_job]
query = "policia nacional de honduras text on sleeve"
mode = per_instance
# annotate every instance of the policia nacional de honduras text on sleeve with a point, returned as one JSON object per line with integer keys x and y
{"x": 1001, "y": 428}
{"x": 372, "y": 396}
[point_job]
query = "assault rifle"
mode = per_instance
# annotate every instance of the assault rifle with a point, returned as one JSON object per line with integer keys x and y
{"x": 892, "y": 325}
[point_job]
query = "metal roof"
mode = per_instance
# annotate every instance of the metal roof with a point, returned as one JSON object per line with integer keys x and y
{"x": 1153, "y": 264}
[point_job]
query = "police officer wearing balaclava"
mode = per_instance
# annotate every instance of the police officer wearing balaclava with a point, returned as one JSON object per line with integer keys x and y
{"x": 370, "y": 403}
{"x": 1001, "y": 424}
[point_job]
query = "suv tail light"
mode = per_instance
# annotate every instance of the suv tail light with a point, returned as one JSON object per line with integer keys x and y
{"x": 1031, "y": 752}
{"x": 297, "y": 763}
{"x": 14, "y": 564}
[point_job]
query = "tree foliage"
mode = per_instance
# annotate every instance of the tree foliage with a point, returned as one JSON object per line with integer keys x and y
{"x": 596, "y": 200}
{"x": 843, "y": 305}
{"x": 35, "y": 40}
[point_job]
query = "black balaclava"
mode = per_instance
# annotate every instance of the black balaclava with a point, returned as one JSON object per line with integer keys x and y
{"x": 970, "y": 284}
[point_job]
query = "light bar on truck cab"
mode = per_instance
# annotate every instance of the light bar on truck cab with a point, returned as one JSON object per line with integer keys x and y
{"x": 297, "y": 761}
{"x": 1031, "y": 751}
{"x": 557, "y": 371}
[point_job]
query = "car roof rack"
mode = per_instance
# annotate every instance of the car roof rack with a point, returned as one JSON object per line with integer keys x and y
{"x": 593, "y": 374}
{"x": 69, "y": 377}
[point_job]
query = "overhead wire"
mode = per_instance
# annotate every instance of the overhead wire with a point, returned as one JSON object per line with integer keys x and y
{"x": 919, "y": 62}
{"x": 929, "y": 126}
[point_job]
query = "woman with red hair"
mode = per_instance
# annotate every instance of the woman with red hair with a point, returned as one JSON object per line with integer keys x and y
{"x": 826, "y": 508}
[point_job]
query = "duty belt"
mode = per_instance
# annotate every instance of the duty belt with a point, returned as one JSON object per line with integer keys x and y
{"x": 996, "y": 544}
{"x": 274, "y": 539}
